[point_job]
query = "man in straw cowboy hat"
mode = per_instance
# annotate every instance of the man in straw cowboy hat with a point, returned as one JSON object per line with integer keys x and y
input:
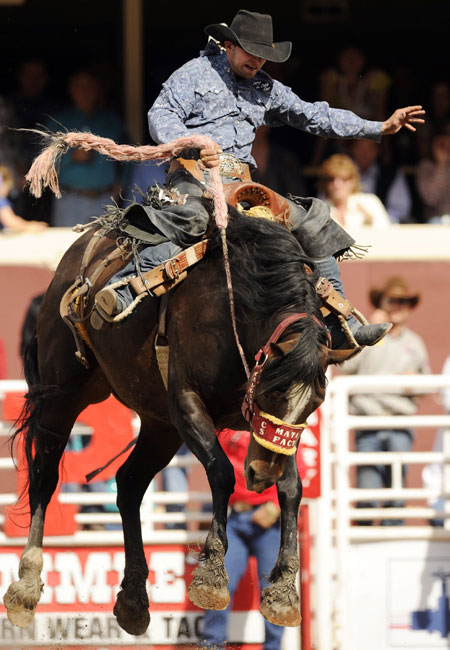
{"x": 225, "y": 94}
{"x": 401, "y": 352}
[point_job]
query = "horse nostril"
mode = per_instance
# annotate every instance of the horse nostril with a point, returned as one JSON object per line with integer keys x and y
{"x": 250, "y": 476}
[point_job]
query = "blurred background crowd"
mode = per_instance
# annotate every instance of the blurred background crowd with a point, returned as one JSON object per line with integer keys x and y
{"x": 405, "y": 179}
{"x": 402, "y": 180}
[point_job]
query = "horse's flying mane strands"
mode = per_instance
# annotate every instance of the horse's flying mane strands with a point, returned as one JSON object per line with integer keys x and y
{"x": 42, "y": 173}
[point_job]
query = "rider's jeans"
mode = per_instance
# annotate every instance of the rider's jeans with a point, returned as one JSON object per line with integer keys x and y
{"x": 329, "y": 268}
{"x": 245, "y": 538}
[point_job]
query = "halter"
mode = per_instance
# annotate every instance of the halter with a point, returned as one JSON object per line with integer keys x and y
{"x": 269, "y": 431}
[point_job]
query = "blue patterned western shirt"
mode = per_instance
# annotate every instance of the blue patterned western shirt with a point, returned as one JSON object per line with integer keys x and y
{"x": 204, "y": 96}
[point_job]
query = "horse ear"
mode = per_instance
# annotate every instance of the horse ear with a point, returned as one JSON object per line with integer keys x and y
{"x": 279, "y": 350}
{"x": 339, "y": 356}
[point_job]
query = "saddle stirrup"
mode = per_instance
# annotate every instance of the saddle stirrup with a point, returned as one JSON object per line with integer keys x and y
{"x": 334, "y": 302}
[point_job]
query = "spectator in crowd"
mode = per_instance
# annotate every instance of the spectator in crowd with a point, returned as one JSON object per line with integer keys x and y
{"x": 143, "y": 176}
{"x": 253, "y": 529}
{"x": 88, "y": 180}
{"x": 438, "y": 115}
{"x": 339, "y": 184}
{"x": 433, "y": 178}
{"x": 175, "y": 479}
{"x": 401, "y": 352}
{"x": 387, "y": 181}
{"x": 32, "y": 107}
{"x": 404, "y": 84}
{"x": 8, "y": 144}
{"x": 355, "y": 86}
{"x": 9, "y": 220}
{"x": 433, "y": 473}
{"x": 278, "y": 168}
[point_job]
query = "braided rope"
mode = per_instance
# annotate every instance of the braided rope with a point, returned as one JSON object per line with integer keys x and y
{"x": 42, "y": 173}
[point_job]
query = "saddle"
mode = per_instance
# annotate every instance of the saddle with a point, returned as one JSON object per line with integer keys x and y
{"x": 77, "y": 304}
{"x": 242, "y": 193}
{"x": 254, "y": 195}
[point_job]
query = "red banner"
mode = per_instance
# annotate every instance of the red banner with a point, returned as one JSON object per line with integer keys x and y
{"x": 111, "y": 429}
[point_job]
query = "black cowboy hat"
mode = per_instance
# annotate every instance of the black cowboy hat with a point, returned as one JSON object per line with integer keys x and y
{"x": 253, "y": 32}
{"x": 394, "y": 287}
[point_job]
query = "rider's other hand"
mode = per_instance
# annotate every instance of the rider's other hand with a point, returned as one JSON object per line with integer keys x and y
{"x": 406, "y": 117}
{"x": 210, "y": 157}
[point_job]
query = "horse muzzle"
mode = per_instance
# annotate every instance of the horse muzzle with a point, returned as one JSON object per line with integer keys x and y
{"x": 259, "y": 476}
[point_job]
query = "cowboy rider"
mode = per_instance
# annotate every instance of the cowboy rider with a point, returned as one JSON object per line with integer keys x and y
{"x": 225, "y": 94}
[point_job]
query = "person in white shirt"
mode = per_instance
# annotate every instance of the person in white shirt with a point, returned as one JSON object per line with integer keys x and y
{"x": 401, "y": 352}
{"x": 339, "y": 183}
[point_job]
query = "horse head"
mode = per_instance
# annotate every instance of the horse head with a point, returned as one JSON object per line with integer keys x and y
{"x": 279, "y": 415}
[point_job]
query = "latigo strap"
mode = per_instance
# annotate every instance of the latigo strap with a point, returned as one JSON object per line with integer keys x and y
{"x": 167, "y": 275}
{"x": 332, "y": 299}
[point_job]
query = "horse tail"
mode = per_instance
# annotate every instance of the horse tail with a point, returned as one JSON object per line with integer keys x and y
{"x": 30, "y": 365}
{"x": 26, "y": 427}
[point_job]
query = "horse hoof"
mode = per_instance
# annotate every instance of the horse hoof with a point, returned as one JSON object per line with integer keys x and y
{"x": 22, "y": 597}
{"x": 19, "y": 614}
{"x": 208, "y": 597}
{"x": 21, "y": 618}
{"x": 128, "y": 616}
{"x": 279, "y": 615}
{"x": 281, "y": 609}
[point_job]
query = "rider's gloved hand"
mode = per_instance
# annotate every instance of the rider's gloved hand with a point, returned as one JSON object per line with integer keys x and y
{"x": 210, "y": 157}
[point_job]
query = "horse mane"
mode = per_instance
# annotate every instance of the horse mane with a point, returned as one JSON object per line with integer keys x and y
{"x": 269, "y": 281}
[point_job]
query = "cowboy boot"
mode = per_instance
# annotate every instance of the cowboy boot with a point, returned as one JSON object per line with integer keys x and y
{"x": 339, "y": 313}
{"x": 362, "y": 335}
{"x": 108, "y": 304}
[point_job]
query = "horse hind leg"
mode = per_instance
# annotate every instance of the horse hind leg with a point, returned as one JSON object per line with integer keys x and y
{"x": 48, "y": 426}
{"x": 22, "y": 597}
{"x": 156, "y": 445}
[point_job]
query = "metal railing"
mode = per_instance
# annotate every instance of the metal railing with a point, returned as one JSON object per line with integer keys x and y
{"x": 336, "y": 510}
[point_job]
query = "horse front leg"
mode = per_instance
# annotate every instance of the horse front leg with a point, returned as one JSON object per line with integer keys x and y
{"x": 280, "y": 601}
{"x": 49, "y": 442}
{"x": 208, "y": 588}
